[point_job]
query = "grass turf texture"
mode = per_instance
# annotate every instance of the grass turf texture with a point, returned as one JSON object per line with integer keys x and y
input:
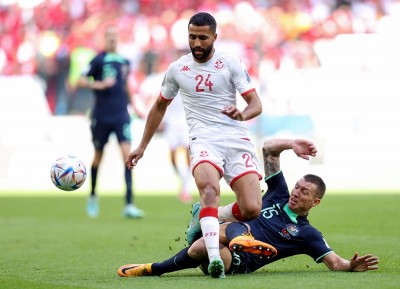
{"x": 49, "y": 242}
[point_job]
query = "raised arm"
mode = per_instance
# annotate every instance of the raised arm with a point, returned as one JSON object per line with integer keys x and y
{"x": 273, "y": 148}
{"x": 86, "y": 82}
{"x": 355, "y": 264}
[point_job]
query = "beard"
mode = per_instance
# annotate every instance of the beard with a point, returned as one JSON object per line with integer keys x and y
{"x": 206, "y": 52}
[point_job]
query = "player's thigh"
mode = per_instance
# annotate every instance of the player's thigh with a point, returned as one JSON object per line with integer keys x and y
{"x": 226, "y": 256}
{"x": 248, "y": 191}
{"x": 122, "y": 130}
{"x": 222, "y": 233}
{"x": 207, "y": 178}
{"x": 100, "y": 134}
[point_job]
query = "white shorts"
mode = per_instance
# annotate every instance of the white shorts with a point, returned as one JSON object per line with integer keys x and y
{"x": 232, "y": 157}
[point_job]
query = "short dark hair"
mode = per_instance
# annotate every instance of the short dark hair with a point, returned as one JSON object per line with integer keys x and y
{"x": 316, "y": 180}
{"x": 204, "y": 19}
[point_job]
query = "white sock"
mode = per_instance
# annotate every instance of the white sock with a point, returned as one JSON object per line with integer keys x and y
{"x": 225, "y": 213}
{"x": 210, "y": 229}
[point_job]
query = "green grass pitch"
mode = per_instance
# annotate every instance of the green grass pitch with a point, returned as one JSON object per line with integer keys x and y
{"x": 49, "y": 242}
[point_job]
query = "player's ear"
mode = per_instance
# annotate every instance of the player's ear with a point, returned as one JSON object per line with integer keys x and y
{"x": 316, "y": 202}
{"x": 215, "y": 36}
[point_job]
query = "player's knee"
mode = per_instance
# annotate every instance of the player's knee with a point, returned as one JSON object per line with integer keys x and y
{"x": 210, "y": 198}
{"x": 209, "y": 195}
{"x": 198, "y": 250}
{"x": 251, "y": 211}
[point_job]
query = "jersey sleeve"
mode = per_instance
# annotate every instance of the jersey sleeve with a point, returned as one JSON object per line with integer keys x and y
{"x": 92, "y": 69}
{"x": 169, "y": 86}
{"x": 317, "y": 246}
{"x": 277, "y": 187}
{"x": 240, "y": 76}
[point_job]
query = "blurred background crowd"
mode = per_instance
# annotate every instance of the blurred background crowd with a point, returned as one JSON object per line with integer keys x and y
{"x": 324, "y": 69}
{"x": 55, "y": 39}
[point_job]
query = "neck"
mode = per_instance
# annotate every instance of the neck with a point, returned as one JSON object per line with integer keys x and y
{"x": 110, "y": 49}
{"x": 301, "y": 213}
{"x": 211, "y": 54}
{"x": 298, "y": 212}
{"x": 292, "y": 215}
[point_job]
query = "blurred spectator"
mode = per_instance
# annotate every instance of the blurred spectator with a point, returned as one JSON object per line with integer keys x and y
{"x": 36, "y": 36}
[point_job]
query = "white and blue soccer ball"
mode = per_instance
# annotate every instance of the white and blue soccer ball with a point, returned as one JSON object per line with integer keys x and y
{"x": 68, "y": 173}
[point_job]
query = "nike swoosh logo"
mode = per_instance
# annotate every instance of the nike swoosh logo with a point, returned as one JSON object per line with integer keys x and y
{"x": 127, "y": 268}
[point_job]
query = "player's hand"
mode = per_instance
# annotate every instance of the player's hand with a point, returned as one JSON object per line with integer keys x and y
{"x": 133, "y": 158}
{"x": 304, "y": 148}
{"x": 363, "y": 263}
{"x": 233, "y": 112}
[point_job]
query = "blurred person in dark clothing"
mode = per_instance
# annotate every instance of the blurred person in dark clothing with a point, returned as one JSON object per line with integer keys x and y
{"x": 107, "y": 76}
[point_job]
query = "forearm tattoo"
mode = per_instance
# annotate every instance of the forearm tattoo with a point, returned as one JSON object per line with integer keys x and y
{"x": 271, "y": 163}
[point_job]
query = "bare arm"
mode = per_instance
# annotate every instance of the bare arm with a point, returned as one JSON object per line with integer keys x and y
{"x": 153, "y": 121}
{"x": 86, "y": 82}
{"x": 253, "y": 108}
{"x": 273, "y": 148}
{"x": 355, "y": 264}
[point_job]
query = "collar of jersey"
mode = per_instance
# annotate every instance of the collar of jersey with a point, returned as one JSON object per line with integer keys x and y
{"x": 290, "y": 213}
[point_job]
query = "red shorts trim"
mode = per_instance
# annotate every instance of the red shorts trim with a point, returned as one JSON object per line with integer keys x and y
{"x": 221, "y": 172}
{"x": 245, "y": 173}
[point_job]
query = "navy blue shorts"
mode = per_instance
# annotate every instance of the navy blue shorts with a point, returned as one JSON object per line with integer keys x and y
{"x": 101, "y": 132}
{"x": 239, "y": 263}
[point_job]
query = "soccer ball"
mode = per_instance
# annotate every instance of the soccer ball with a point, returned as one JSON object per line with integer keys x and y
{"x": 68, "y": 173}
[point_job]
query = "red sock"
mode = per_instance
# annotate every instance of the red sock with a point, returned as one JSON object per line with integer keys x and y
{"x": 208, "y": 212}
{"x": 236, "y": 213}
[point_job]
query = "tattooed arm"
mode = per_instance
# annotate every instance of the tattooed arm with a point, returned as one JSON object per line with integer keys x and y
{"x": 273, "y": 148}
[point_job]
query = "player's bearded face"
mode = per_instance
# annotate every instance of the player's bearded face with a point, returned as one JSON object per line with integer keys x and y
{"x": 201, "y": 42}
{"x": 202, "y": 53}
